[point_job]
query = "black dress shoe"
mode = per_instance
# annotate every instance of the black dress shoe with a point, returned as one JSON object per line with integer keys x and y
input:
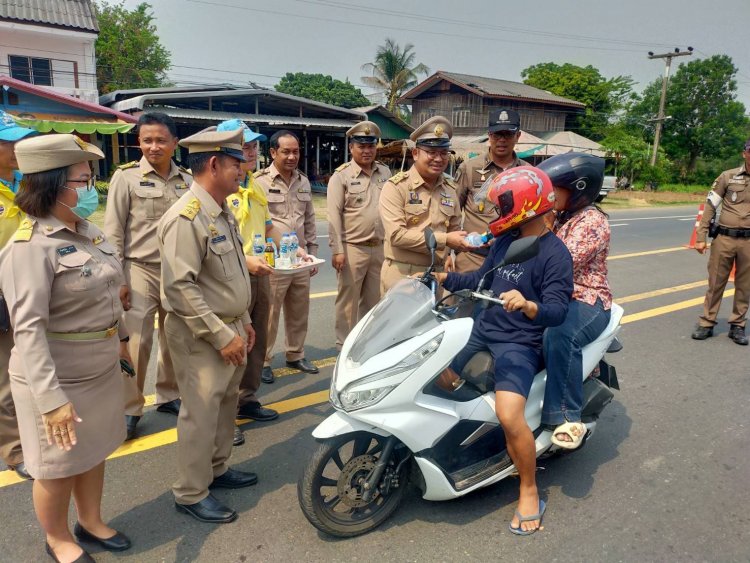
{"x": 303, "y": 365}
{"x": 208, "y": 510}
{"x": 234, "y": 479}
{"x": 170, "y": 407}
{"x": 702, "y": 332}
{"x": 266, "y": 376}
{"x": 130, "y": 423}
{"x": 255, "y": 411}
{"x": 118, "y": 542}
{"x": 239, "y": 437}
{"x": 737, "y": 333}
{"x": 83, "y": 558}
{"x": 20, "y": 469}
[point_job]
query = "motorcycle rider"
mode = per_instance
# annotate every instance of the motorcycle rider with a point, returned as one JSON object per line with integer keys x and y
{"x": 583, "y": 227}
{"x": 536, "y": 295}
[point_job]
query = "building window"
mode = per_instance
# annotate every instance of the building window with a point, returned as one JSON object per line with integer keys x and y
{"x": 461, "y": 117}
{"x": 44, "y": 72}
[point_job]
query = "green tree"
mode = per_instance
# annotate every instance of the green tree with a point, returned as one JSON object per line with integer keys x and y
{"x": 128, "y": 51}
{"x": 705, "y": 121}
{"x": 603, "y": 97}
{"x": 322, "y": 88}
{"x": 394, "y": 71}
{"x": 629, "y": 151}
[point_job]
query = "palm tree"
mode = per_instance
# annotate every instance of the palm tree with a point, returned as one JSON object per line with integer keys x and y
{"x": 393, "y": 71}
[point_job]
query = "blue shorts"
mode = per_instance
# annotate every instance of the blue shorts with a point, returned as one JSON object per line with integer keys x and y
{"x": 515, "y": 364}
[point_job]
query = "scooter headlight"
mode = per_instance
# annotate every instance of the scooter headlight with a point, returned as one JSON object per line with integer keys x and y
{"x": 353, "y": 399}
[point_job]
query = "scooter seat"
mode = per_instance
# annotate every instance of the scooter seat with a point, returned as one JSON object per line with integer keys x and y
{"x": 480, "y": 372}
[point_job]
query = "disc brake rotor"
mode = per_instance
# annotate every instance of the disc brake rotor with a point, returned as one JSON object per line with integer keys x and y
{"x": 351, "y": 482}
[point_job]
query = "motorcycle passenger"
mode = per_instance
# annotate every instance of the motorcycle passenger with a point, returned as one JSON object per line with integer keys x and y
{"x": 536, "y": 295}
{"x": 583, "y": 227}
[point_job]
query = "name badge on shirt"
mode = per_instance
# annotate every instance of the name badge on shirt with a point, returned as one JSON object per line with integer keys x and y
{"x": 274, "y": 191}
{"x": 148, "y": 184}
{"x": 65, "y": 250}
{"x": 220, "y": 238}
{"x": 355, "y": 183}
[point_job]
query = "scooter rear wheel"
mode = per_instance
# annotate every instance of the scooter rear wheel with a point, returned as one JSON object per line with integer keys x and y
{"x": 331, "y": 487}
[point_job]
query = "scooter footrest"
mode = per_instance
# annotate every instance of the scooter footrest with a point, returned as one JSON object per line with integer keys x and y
{"x": 473, "y": 474}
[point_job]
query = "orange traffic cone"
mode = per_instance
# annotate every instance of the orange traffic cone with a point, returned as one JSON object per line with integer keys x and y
{"x": 694, "y": 236}
{"x": 731, "y": 274}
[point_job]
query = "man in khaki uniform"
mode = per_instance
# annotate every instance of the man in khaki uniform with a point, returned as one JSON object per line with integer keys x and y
{"x": 206, "y": 292}
{"x": 290, "y": 203}
{"x": 419, "y": 198}
{"x": 10, "y": 218}
{"x": 731, "y": 246}
{"x": 139, "y": 195}
{"x": 355, "y": 232}
{"x": 504, "y": 131}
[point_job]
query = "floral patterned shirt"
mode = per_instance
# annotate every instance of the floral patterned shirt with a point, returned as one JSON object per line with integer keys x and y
{"x": 586, "y": 234}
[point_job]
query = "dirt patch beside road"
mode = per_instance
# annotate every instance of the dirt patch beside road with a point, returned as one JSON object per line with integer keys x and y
{"x": 626, "y": 198}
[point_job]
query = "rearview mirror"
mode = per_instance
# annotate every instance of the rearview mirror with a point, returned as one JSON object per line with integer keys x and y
{"x": 521, "y": 250}
{"x": 430, "y": 240}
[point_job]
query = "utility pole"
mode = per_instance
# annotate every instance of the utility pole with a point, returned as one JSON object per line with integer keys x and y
{"x": 660, "y": 117}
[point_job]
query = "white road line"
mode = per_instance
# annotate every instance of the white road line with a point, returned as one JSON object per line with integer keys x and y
{"x": 664, "y": 217}
{"x": 688, "y": 219}
{"x": 618, "y": 224}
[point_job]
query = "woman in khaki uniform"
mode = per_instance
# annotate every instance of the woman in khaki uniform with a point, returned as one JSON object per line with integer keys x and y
{"x": 61, "y": 279}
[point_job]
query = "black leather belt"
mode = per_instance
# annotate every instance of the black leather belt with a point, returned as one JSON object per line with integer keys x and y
{"x": 734, "y": 233}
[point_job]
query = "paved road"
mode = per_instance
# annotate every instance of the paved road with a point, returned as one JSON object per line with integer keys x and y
{"x": 665, "y": 477}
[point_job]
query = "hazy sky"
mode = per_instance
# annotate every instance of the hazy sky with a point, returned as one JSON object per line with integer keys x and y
{"x": 250, "y": 40}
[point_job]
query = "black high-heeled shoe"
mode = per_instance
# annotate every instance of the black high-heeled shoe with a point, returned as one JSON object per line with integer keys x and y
{"x": 83, "y": 558}
{"x": 118, "y": 542}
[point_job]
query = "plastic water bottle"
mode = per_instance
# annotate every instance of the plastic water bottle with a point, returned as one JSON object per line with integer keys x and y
{"x": 269, "y": 252}
{"x": 487, "y": 237}
{"x": 293, "y": 248}
{"x": 284, "y": 258}
{"x": 258, "y": 245}
{"x": 474, "y": 239}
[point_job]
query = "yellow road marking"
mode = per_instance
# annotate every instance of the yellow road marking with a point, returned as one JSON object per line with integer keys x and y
{"x": 646, "y": 253}
{"x": 649, "y": 313}
{"x": 324, "y": 294}
{"x": 659, "y": 292}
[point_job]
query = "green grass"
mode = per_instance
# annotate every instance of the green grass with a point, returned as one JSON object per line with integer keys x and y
{"x": 679, "y": 188}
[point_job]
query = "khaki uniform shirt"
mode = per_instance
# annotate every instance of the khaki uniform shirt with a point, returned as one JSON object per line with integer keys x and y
{"x": 408, "y": 206}
{"x": 733, "y": 186}
{"x": 470, "y": 177}
{"x": 57, "y": 280}
{"x": 137, "y": 199}
{"x": 353, "y": 197}
{"x": 204, "y": 278}
{"x": 290, "y": 206}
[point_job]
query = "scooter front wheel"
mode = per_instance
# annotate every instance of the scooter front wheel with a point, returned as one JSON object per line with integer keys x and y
{"x": 332, "y": 490}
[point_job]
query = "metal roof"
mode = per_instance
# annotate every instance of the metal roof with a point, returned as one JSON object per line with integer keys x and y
{"x": 492, "y": 87}
{"x": 75, "y": 14}
{"x": 271, "y": 120}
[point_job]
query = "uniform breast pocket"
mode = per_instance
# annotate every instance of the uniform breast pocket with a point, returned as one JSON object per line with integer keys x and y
{"x": 736, "y": 193}
{"x": 153, "y": 202}
{"x": 304, "y": 196}
{"x": 224, "y": 263}
{"x": 276, "y": 205}
{"x": 77, "y": 271}
{"x": 356, "y": 196}
{"x": 414, "y": 213}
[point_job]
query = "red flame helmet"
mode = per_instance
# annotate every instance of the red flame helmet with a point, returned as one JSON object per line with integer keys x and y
{"x": 519, "y": 195}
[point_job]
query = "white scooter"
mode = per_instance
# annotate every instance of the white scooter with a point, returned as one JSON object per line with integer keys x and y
{"x": 393, "y": 423}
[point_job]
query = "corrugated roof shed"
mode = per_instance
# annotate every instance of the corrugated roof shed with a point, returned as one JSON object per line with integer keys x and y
{"x": 71, "y": 14}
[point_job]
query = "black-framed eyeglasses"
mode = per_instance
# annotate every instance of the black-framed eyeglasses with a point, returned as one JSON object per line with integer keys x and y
{"x": 90, "y": 181}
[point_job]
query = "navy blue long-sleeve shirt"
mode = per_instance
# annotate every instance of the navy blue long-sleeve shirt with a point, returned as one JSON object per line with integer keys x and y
{"x": 546, "y": 279}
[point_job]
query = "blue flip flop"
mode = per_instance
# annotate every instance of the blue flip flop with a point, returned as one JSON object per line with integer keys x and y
{"x": 521, "y": 532}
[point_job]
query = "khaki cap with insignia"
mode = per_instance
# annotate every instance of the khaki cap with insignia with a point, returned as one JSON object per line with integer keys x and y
{"x": 436, "y": 132}
{"x": 365, "y": 132}
{"x": 48, "y": 152}
{"x": 211, "y": 140}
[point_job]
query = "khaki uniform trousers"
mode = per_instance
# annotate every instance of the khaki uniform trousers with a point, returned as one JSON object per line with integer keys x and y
{"x": 468, "y": 262}
{"x": 725, "y": 251}
{"x": 10, "y": 440}
{"x": 205, "y": 426}
{"x": 260, "y": 307}
{"x": 394, "y": 271}
{"x": 358, "y": 286}
{"x": 290, "y": 293}
{"x": 145, "y": 302}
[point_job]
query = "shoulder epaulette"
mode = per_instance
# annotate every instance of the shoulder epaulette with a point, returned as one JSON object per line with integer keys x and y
{"x": 398, "y": 177}
{"x": 191, "y": 209}
{"x": 343, "y": 166}
{"x": 450, "y": 182}
{"x": 260, "y": 173}
{"x": 24, "y": 231}
{"x": 185, "y": 170}
{"x": 302, "y": 173}
{"x": 131, "y": 164}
